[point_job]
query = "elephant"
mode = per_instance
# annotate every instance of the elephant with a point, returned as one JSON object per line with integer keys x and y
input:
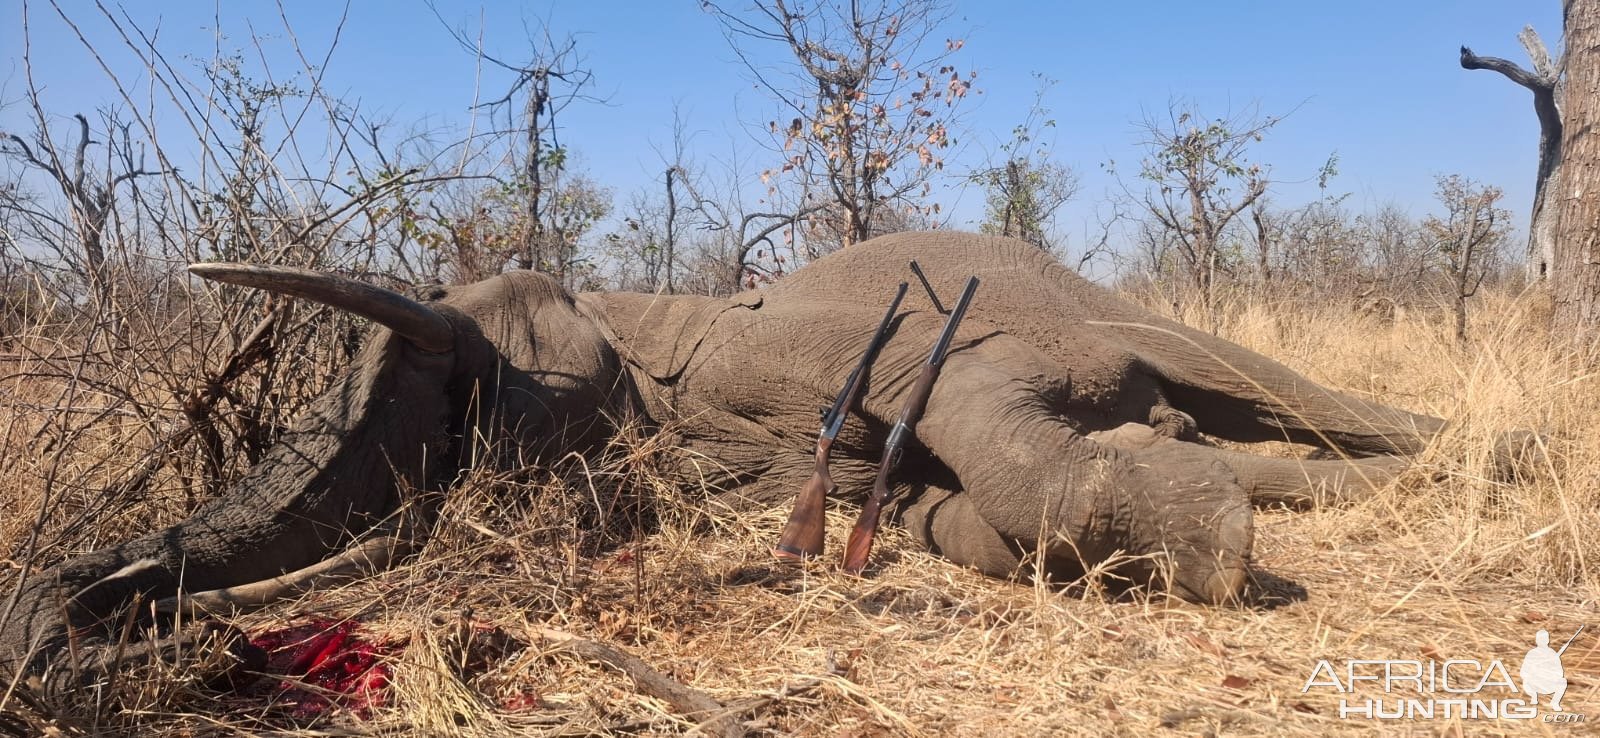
{"x": 1064, "y": 431}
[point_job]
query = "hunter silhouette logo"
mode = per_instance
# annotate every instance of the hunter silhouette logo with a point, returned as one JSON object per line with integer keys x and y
{"x": 1408, "y": 689}
{"x": 1542, "y": 672}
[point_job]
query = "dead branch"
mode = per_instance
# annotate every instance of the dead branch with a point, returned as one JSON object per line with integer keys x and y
{"x": 1543, "y": 87}
{"x": 687, "y": 700}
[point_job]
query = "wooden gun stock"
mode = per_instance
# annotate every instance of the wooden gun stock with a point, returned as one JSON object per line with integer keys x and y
{"x": 804, "y": 534}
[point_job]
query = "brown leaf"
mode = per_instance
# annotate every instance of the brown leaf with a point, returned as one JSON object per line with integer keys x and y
{"x": 1112, "y": 713}
{"x": 1234, "y": 681}
{"x": 844, "y": 665}
{"x": 1302, "y": 707}
{"x": 1534, "y": 616}
{"x": 1205, "y": 644}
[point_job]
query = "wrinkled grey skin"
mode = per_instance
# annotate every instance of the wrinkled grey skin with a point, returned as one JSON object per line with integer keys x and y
{"x": 1046, "y": 433}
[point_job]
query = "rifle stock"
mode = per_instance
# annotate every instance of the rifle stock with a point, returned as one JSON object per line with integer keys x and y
{"x": 804, "y": 534}
{"x": 859, "y": 546}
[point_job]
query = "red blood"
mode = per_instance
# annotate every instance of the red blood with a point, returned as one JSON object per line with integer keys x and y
{"x": 318, "y": 650}
{"x": 522, "y": 700}
{"x": 336, "y": 661}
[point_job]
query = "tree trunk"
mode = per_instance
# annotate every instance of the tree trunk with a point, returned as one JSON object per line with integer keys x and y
{"x": 1258, "y": 215}
{"x": 534, "y": 255}
{"x": 671, "y": 238}
{"x": 1542, "y": 222}
{"x": 1575, "y": 280}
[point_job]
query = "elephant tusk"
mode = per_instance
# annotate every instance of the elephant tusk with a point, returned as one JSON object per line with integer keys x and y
{"x": 394, "y": 540}
{"x": 420, "y": 324}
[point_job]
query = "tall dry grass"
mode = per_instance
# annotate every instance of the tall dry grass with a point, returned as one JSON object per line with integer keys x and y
{"x": 1446, "y": 563}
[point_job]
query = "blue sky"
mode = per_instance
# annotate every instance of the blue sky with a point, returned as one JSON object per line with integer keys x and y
{"x": 1377, "y": 82}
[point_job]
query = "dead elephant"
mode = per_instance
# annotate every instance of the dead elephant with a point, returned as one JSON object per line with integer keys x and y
{"x": 1062, "y": 424}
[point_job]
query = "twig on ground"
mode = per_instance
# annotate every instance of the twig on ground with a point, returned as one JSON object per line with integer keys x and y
{"x": 687, "y": 700}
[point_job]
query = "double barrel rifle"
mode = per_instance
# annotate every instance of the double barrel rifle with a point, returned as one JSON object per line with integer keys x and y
{"x": 803, "y": 535}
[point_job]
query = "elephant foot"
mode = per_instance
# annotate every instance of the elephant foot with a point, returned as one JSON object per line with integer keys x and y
{"x": 1191, "y": 520}
{"x": 1166, "y": 424}
{"x": 1169, "y": 422}
{"x": 1225, "y": 585}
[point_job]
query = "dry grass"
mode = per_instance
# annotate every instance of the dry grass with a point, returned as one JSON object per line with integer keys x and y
{"x": 1446, "y": 564}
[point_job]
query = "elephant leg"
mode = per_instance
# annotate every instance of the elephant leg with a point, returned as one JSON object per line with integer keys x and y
{"x": 1175, "y": 424}
{"x": 947, "y": 524}
{"x": 1294, "y": 483}
{"x": 1242, "y": 396}
{"x": 1302, "y": 484}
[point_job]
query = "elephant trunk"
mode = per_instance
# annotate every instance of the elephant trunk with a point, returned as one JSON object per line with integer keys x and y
{"x": 1039, "y": 483}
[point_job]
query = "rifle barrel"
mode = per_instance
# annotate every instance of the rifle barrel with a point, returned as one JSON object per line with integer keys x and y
{"x": 923, "y": 278}
{"x": 834, "y": 420}
{"x": 956, "y": 314}
{"x": 1573, "y": 638}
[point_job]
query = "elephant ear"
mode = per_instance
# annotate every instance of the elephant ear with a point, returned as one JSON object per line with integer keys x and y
{"x": 661, "y": 334}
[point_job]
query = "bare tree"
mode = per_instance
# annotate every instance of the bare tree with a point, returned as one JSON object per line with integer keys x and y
{"x": 206, "y": 377}
{"x": 1469, "y": 237}
{"x": 1298, "y": 244}
{"x": 656, "y": 222}
{"x": 870, "y": 106}
{"x": 1026, "y": 187}
{"x": 1198, "y": 180}
{"x": 1575, "y": 277}
{"x": 1564, "y": 229}
{"x": 90, "y": 195}
{"x": 735, "y": 245}
{"x": 1399, "y": 255}
{"x": 558, "y": 205}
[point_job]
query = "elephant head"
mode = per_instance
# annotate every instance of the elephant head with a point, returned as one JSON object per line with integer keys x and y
{"x": 510, "y": 358}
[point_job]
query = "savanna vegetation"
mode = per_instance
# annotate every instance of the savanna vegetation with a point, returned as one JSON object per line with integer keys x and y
{"x": 593, "y": 596}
